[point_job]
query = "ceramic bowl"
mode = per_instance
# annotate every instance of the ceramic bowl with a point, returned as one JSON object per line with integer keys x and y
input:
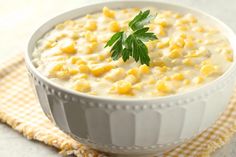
{"x": 129, "y": 126}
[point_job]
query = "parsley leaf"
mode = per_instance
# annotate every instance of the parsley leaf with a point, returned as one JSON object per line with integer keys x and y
{"x": 140, "y": 20}
{"x": 132, "y": 45}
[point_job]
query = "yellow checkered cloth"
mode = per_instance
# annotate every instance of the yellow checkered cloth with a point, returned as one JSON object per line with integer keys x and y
{"x": 20, "y": 109}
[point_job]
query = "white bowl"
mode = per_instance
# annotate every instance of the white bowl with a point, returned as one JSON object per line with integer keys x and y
{"x": 131, "y": 126}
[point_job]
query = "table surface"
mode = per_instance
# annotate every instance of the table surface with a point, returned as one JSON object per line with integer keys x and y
{"x": 19, "y": 18}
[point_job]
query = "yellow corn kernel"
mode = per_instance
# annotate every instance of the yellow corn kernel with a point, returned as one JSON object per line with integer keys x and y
{"x": 90, "y": 37}
{"x": 98, "y": 71}
{"x": 229, "y": 58}
{"x": 163, "y": 43}
{"x": 192, "y": 54}
{"x": 84, "y": 68}
{"x": 74, "y": 59}
{"x": 187, "y": 82}
{"x": 151, "y": 80}
{"x": 176, "y": 15}
{"x": 91, "y": 47}
{"x": 207, "y": 69}
{"x": 108, "y": 13}
{"x": 115, "y": 74}
{"x": 182, "y": 28}
{"x": 80, "y": 62}
{"x": 124, "y": 87}
{"x": 50, "y": 44}
{"x": 178, "y": 77}
{"x": 163, "y": 69}
{"x": 175, "y": 53}
{"x": 166, "y": 78}
{"x": 91, "y": 25}
{"x": 180, "y": 22}
{"x": 57, "y": 67}
{"x": 144, "y": 69}
{"x": 114, "y": 26}
{"x": 82, "y": 85}
{"x": 64, "y": 74}
{"x": 189, "y": 43}
{"x": 73, "y": 71}
{"x": 190, "y": 18}
{"x": 177, "y": 43}
{"x": 133, "y": 71}
{"x": 131, "y": 78}
{"x": 198, "y": 79}
{"x": 137, "y": 86}
{"x": 199, "y": 29}
{"x": 161, "y": 31}
{"x": 188, "y": 62}
{"x": 68, "y": 46}
{"x": 162, "y": 22}
{"x": 159, "y": 63}
{"x": 161, "y": 86}
{"x": 81, "y": 76}
{"x": 101, "y": 57}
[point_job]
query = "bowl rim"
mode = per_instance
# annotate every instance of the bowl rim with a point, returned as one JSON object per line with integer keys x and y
{"x": 201, "y": 89}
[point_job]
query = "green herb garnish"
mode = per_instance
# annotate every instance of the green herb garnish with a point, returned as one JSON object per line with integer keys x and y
{"x": 132, "y": 45}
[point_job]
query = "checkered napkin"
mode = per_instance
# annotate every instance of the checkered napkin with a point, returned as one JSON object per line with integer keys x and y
{"x": 20, "y": 109}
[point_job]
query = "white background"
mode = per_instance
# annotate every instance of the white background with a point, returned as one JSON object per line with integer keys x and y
{"x": 19, "y": 18}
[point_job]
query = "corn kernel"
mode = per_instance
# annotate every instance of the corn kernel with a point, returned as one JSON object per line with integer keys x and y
{"x": 64, "y": 74}
{"x": 144, "y": 69}
{"x": 163, "y": 69}
{"x": 161, "y": 31}
{"x": 74, "y": 59}
{"x": 131, "y": 78}
{"x": 178, "y": 77}
{"x": 108, "y": 13}
{"x": 159, "y": 63}
{"x": 161, "y": 86}
{"x": 163, "y": 43}
{"x": 207, "y": 69}
{"x": 114, "y": 26}
{"x": 162, "y": 22}
{"x": 189, "y": 43}
{"x": 198, "y": 80}
{"x": 91, "y": 47}
{"x": 182, "y": 28}
{"x": 175, "y": 53}
{"x": 73, "y": 71}
{"x": 190, "y": 18}
{"x": 151, "y": 80}
{"x": 166, "y": 78}
{"x": 187, "y": 61}
{"x": 124, "y": 87}
{"x": 229, "y": 58}
{"x": 68, "y": 46}
{"x": 80, "y": 62}
{"x": 101, "y": 57}
{"x": 82, "y": 85}
{"x": 115, "y": 74}
{"x": 84, "y": 68}
{"x": 91, "y": 25}
{"x": 199, "y": 29}
{"x": 133, "y": 71}
{"x": 57, "y": 67}
{"x": 187, "y": 82}
{"x": 98, "y": 71}
{"x": 90, "y": 37}
{"x": 137, "y": 86}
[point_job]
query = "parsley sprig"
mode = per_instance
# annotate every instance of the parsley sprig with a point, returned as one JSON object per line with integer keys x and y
{"x": 132, "y": 45}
